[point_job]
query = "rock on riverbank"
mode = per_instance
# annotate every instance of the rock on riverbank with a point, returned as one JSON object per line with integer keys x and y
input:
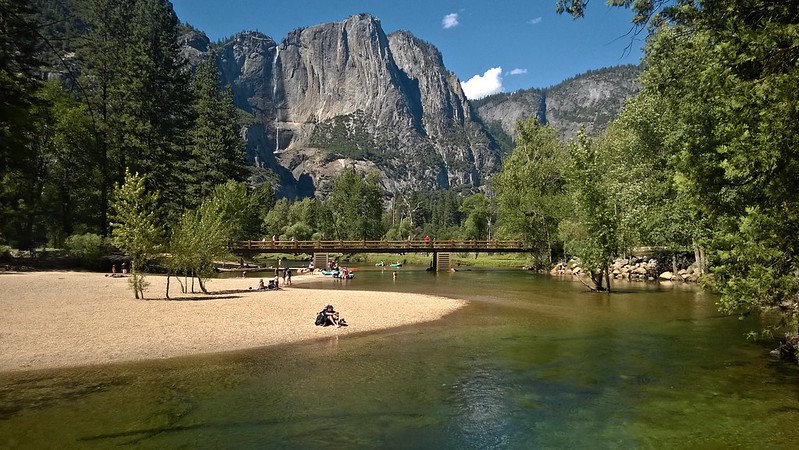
{"x": 643, "y": 268}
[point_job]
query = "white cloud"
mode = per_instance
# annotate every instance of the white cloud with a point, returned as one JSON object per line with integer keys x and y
{"x": 450, "y": 20}
{"x": 535, "y": 21}
{"x": 480, "y": 86}
{"x": 517, "y": 71}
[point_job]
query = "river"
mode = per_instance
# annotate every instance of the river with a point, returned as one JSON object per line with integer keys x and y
{"x": 532, "y": 362}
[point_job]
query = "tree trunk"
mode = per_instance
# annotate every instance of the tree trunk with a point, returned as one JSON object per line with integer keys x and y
{"x": 701, "y": 259}
{"x": 167, "y": 285}
{"x": 202, "y": 285}
{"x": 607, "y": 277}
{"x": 133, "y": 276}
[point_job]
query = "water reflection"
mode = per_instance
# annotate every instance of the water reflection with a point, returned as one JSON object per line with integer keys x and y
{"x": 531, "y": 362}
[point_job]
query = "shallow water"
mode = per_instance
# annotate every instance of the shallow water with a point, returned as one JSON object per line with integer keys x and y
{"x": 532, "y": 362}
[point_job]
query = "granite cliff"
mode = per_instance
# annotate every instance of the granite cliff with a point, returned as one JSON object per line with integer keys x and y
{"x": 591, "y": 99}
{"x": 345, "y": 94}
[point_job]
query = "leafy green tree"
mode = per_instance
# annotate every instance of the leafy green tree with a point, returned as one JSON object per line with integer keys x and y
{"x": 198, "y": 240}
{"x": 156, "y": 100}
{"x": 725, "y": 74}
{"x": 102, "y": 53}
{"x": 477, "y": 209}
{"x": 135, "y": 227}
{"x": 530, "y": 188}
{"x": 304, "y": 219}
{"x": 71, "y": 177}
{"x": 277, "y": 219}
{"x": 591, "y": 230}
{"x": 234, "y": 207}
{"x": 356, "y": 205}
{"x": 400, "y": 231}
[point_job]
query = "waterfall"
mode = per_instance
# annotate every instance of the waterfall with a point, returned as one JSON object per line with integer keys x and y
{"x": 274, "y": 99}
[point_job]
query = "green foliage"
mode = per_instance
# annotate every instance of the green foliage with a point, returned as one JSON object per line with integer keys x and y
{"x": 71, "y": 177}
{"x": 591, "y": 232}
{"x": 232, "y": 203}
{"x": 477, "y": 209}
{"x": 277, "y": 219}
{"x": 530, "y": 189}
{"x": 723, "y": 78}
{"x": 356, "y": 206}
{"x": 217, "y": 147}
{"x": 347, "y": 136}
{"x": 135, "y": 228}
{"x": 87, "y": 246}
{"x": 18, "y": 110}
{"x": 198, "y": 240}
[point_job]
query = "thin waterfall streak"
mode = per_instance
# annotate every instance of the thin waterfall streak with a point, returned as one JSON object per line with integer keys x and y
{"x": 274, "y": 99}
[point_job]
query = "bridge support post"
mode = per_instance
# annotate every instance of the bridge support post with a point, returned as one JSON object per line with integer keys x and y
{"x": 320, "y": 260}
{"x": 442, "y": 261}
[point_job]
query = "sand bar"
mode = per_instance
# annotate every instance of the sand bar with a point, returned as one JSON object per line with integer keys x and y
{"x": 69, "y": 319}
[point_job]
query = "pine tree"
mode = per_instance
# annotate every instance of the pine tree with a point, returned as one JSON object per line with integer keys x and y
{"x": 155, "y": 102}
{"x": 139, "y": 90}
{"x": 216, "y": 145}
{"x": 18, "y": 86}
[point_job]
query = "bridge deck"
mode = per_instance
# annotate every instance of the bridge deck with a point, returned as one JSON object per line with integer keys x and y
{"x": 494, "y": 246}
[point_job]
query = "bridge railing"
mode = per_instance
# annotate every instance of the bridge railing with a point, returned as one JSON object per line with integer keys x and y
{"x": 364, "y": 245}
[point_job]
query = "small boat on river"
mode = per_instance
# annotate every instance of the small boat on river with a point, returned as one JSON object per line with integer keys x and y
{"x": 337, "y": 274}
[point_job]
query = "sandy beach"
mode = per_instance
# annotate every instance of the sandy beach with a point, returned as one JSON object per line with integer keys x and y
{"x": 67, "y": 319}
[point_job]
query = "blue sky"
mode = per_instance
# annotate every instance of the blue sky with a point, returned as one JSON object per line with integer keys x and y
{"x": 507, "y": 44}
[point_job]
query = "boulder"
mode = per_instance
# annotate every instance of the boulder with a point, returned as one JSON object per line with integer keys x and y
{"x": 668, "y": 276}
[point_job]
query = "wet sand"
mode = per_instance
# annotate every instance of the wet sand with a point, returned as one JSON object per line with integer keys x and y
{"x": 67, "y": 319}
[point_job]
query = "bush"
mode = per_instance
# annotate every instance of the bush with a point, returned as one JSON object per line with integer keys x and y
{"x": 86, "y": 247}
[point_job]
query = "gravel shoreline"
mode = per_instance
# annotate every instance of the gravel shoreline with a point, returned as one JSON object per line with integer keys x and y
{"x": 70, "y": 319}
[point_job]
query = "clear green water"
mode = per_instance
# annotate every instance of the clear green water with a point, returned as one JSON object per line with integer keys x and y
{"x": 531, "y": 363}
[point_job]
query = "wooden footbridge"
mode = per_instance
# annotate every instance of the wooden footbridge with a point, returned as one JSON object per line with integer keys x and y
{"x": 441, "y": 249}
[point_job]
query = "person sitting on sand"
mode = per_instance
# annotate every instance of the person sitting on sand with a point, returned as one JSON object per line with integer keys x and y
{"x": 260, "y": 285}
{"x": 271, "y": 285}
{"x": 332, "y": 317}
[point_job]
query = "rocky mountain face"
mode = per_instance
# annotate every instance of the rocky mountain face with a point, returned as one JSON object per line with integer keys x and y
{"x": 344, "y": 94}
{"x": 592, "y": 100}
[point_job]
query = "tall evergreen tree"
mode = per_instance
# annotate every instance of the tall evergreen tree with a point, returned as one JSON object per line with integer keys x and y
{"x": 139, "y": 90}
{"x": 155, "y": 102}
{"x": 101, "y": 53}
{"x": 18, "y": 86}
{"x": 217, "y": 149}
